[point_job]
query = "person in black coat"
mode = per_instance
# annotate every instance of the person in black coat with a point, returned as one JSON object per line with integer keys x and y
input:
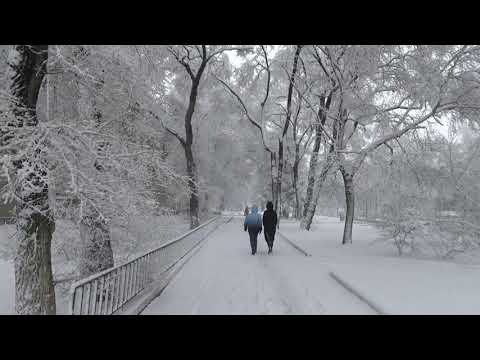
{"x": 269, "y": 225}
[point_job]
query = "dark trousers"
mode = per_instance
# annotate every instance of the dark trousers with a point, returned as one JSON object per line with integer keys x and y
{"x": 253, "y": 239}
{"x": 269, "y": 237}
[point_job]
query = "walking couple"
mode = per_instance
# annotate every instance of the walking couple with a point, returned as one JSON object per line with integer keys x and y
{"x": 253, "y": 223}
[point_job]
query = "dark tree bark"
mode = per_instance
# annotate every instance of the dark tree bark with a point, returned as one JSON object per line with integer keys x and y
{"x": 188, "y": 140}
{"x": 322, "y": 117}
{"x": 285, "y": 129}
{"x": 34, "y": 289}
{"x": 350, "y": 206}
{"x": 296, "y": 163}
{"x": 191, "y": 168}
{"x": 307, "y": 220}
{"x": 192, "y": 185}
{"x": 278, "y": 180}
{"x": 97, "y": 252}
{"x": 273, "y": 175}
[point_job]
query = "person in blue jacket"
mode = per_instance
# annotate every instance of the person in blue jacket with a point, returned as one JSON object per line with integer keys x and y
{"x": 253, "y": 223}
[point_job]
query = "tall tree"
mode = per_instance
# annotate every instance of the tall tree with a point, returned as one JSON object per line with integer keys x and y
{"x": 97, "y": 252}
{"x": 34, "y": 290}
{"x": 429, "y": 82}
{"x": 194, "y": 60}
{"x": 262, "y": 65}
{"x": 286, "y": 125}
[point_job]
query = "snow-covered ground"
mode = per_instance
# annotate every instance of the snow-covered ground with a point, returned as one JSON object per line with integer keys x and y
{"x": 7, "y": 272}
{"x": 224, "y": 278}
{"x": 7, "y": 288}
{"x": 401, "y": 285}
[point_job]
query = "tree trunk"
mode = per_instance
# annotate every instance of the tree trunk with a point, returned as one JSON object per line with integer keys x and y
{"x": 192, "y": 185}
{"x": 297, "y": 200}
{"x": 34, "y": 290}
{"x": 187, "y": 144}
{"x": 307, "y": 220}
{"x": 310, "y": 212}
{"x": 97, "y": 253}
{"x": 276, "y": 205}
{"x": 278, "y": 180}
{"x": 295, "y": 180}
{"x": 350, "y": 207}
{"x": 273, "y": 165}
{"x": 322, "y": 117}
{"x": 311, "y": 178}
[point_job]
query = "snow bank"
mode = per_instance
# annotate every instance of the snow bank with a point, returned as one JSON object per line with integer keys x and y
{"x": 400, "y": 285}
{"x": 7, "y": 288}
{"x": 7, "y": 270}
{"x": 416, "y": 287}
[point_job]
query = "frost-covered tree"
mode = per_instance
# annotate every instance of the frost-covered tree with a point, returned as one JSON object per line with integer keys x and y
{"x": 86, "y": 147}
{"x": 23, "y": 145}
{"x": 259, "y": 75}
{"x": 434, "y": 202}
{"x": 179, "y": 71}
{"x": 109, "y": 154}
{"x": 387, "y": 91}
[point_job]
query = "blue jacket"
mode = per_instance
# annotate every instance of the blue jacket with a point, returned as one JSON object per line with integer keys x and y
{"x": 253, "y": 221}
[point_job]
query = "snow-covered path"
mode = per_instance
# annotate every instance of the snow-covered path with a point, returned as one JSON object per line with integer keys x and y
{"x": 224, "y": 278}
{"x": 7, "y": 287}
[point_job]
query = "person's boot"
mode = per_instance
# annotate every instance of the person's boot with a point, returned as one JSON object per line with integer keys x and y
{"x": 269, "y": 249}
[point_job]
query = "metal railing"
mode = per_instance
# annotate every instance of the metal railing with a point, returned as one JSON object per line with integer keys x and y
{"x": 7, "y": 220}
{"x": 108, "y": 291}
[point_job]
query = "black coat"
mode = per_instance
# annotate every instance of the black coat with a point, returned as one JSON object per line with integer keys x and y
{"x": 269, "y": 221}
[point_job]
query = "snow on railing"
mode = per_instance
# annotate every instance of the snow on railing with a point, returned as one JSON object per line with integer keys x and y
{"x": 108, "y": 291}
{"x": 7, "y": 220}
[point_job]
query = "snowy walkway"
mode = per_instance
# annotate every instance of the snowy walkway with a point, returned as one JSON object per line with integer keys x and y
{"x": 224, "y": 278}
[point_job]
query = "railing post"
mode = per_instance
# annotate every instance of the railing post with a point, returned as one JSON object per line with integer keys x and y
{"x": 81, "y": 300}
{"x": 129, "y": 267}
{"x": 112, "y": 292}
{"x": 122, "y": 286}
{"x": 95, "y": 292}
{"x": 87, "y": 298}
{"x": 135, "y": 273}
{"x": 108, "y": 292}
{"x": 117, "y": 291}
{"x": 100, "y": 302}
{"x": 71, "y": 306}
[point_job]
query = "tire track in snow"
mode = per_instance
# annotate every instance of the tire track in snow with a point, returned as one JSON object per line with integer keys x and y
{"x": 295, "y": 299}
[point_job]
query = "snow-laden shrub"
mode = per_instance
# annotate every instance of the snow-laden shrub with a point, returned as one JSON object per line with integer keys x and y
{"x": 414, "y": 233}
{"x": 400, "y": 227}
{"x": 138, "y": 234}
{"x": 447, "y": 237}
{"x": 143, "y": 233}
